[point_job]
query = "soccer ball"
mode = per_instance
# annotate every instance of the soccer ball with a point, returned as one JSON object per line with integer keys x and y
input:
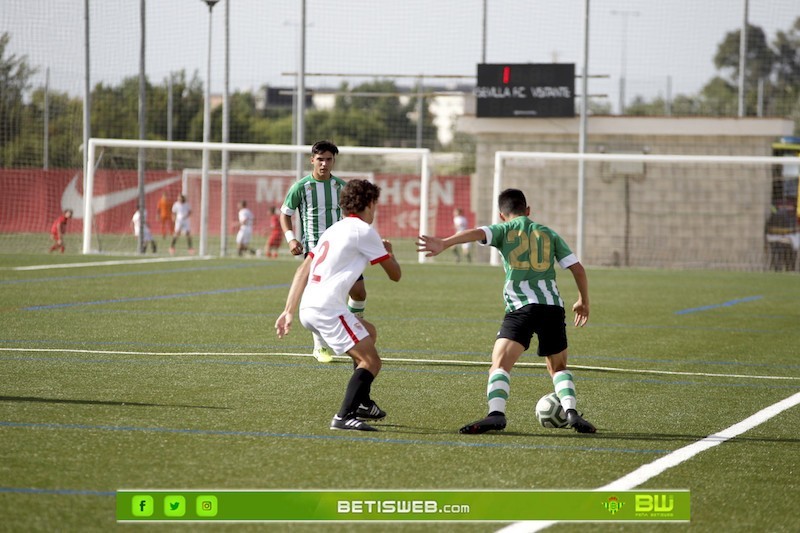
{"x": 549, "y": 412}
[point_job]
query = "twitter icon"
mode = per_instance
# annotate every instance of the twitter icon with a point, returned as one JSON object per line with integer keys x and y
{"x": 174, "y": 506}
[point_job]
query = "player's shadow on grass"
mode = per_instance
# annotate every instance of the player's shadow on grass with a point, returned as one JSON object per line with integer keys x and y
{"x": 414, "y": 430}
{"x": 34, "y": 399}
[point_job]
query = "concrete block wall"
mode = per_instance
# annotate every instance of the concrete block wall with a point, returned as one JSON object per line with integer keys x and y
{"x": 676, "y": 216}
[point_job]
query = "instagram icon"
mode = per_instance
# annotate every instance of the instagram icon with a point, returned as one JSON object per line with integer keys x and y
{"x": 206, "y": 506}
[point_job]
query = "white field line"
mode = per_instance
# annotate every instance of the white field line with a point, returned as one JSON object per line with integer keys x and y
{"x": 651, "y": 470}
{"x": 455, "y": 362}
{"x": 627, "y": 482}
{"x": 112, "y": 263}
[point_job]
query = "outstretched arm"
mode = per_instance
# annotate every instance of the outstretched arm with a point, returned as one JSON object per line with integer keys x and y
{"x": 299, "y": 282}
{"x": 581, "y": 307}
{"x": 391, "y": 266}
{"x": 436, "y": 245}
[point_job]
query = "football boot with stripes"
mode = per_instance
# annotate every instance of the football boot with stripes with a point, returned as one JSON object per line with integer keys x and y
{"x": 350, "y": 423}
{"x": 370, "y": 412}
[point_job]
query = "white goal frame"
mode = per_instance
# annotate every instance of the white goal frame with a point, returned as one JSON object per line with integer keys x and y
{"x": 423, "y": 154}
{"x": 501, "y": 157}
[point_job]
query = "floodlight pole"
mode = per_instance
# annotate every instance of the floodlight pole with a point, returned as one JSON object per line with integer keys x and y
{"x": 300, "y": 93}
{"x": 87, "y": 128}
{"x": 483, "y": 32}
{"x": 742, "y": 59}
{"x": 46, "y": 139}
{"x": 142, "y": 129}
{"x": 624, "y": 60}
{"x": 204, "y": 188}
{"x": 583, "y": 134}
{"x": 223, "y": 235}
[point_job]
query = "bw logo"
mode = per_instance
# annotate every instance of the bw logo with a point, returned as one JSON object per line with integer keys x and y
{"x": 659, "y": 503}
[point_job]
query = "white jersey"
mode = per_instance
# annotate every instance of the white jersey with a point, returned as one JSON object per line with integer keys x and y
{"x": 340, "y": 257}
{"x": 245, "y": 217}
{"x": 245, "y": 234}
{"x": 459, "y": 223}
{"x": 136, "y": 219}
{"x": 181, "y": 212}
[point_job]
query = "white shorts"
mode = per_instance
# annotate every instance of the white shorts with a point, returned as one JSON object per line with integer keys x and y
{"x": 182, "y": 227}
{"x": 245, "y": 235}
{"x": 339, "y": 331}
{"x": 147, "y": 235}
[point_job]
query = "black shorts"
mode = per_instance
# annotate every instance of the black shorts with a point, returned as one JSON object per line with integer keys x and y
{"x": 546, "y": 321}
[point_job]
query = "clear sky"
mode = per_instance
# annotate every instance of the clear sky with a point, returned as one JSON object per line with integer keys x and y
{"x": 665, "y": 39}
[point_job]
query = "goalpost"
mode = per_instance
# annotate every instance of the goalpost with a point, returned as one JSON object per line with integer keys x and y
{"x": 404, "y": 175}
{"x": 664, "y": 211}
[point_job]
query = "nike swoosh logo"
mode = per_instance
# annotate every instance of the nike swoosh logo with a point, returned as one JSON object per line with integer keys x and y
{"x": 72, "y": 199}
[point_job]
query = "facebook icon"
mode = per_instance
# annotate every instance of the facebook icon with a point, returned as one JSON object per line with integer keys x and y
{"x": 142, "y": 505}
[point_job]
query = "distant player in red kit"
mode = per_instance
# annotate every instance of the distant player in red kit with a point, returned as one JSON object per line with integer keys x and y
{"x": 58, "y": 228}
{"x": 275, "y": 236}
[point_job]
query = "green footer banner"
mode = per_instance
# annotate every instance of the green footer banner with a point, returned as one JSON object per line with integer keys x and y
{"x": 401, "y": 505}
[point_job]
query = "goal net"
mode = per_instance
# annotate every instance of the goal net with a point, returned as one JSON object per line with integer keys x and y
{"x": 258, "y": 174}
{"x": 665, "y": 211}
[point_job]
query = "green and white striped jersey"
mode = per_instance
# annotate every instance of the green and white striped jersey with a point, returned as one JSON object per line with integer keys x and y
{"x": 317, "y": 202}
{"x": 530, "y": 252}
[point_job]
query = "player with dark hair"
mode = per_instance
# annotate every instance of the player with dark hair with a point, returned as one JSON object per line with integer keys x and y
{"x": 321, "y": 285}
{"x": 316, "y": 200}
{"x": 57, "y": 230}
{"x": 533, "y": 304}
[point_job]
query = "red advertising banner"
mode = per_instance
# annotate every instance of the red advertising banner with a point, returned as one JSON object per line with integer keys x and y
{"x": 31, "y": 199}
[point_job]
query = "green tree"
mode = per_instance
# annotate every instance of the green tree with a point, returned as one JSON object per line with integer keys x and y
{"x": 758, "y": 63}
{"x": 787, "y": 74}
{"x": 376, "y": 110}
{"x": 15, "y": 75}
{"x": 65, "y": 133}
{"x": 187, "y": 103}
{"x": 115, "y": 110}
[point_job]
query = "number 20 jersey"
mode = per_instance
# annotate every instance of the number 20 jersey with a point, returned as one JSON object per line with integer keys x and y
{"x": 529, "y": 252}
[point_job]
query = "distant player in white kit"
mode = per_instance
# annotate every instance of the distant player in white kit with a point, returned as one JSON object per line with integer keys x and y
{"x": 245, "y": 234}
{"x": 136, "y": 222}
{"x": 321, "y": 286}
{"x": 460, "y": 223}
{"x": 180, "y": 214}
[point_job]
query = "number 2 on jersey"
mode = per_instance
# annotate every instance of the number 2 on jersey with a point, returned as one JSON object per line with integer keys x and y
{"x": 323, "y": 251}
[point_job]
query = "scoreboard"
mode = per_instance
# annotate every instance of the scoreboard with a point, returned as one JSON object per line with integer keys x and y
{"x": 525, "y": 90}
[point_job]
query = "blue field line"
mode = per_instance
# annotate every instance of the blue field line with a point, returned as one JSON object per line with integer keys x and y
{"x": 156, "y": 297}
{"x": 339, "y": 438}
{"x": 57, "y": 492}
{"x": 683, "y": 327}
{"x": 122, "y": 274}
{"x": 716, "y": 306}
